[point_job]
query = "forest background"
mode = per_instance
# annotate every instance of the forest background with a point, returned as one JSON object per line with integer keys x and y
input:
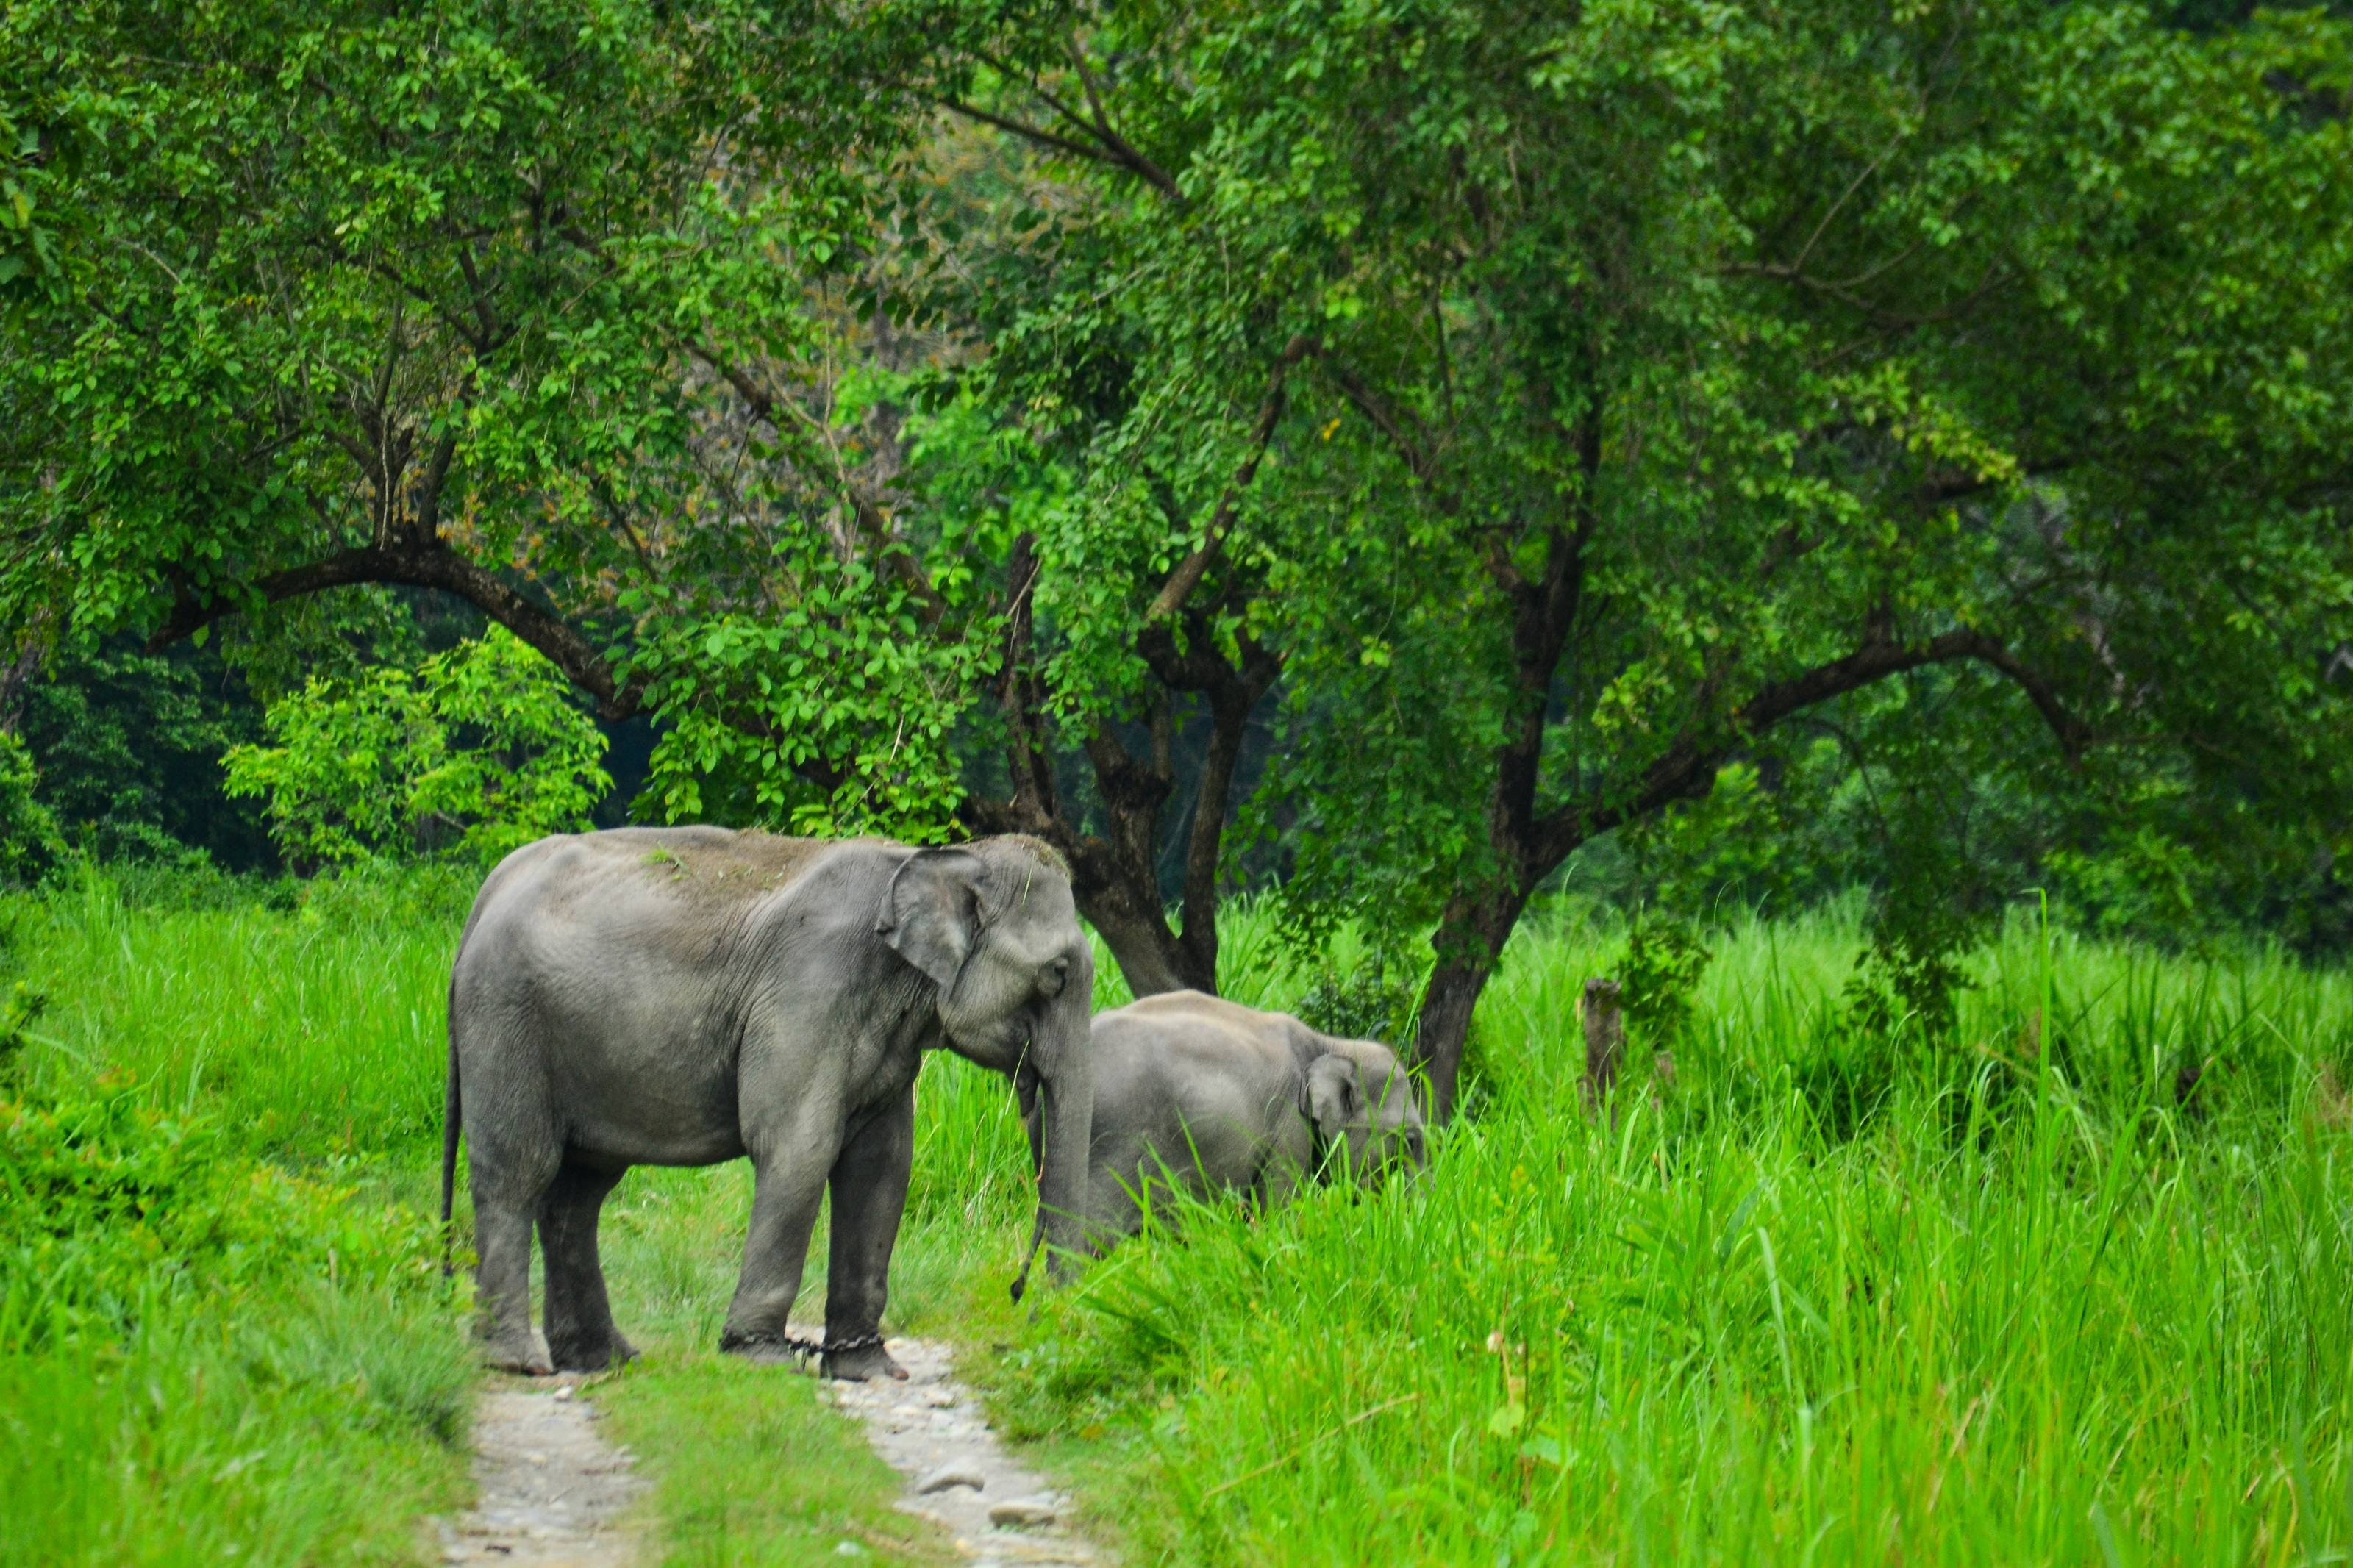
{"x": 1408, "y": 458}
{"x": 1834, "y": 514}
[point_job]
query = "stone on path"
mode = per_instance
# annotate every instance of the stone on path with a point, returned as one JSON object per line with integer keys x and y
{"x": 929, "y": 1429}
{"x": 552, "y": 1490}
{"x": 947, "y": 1476}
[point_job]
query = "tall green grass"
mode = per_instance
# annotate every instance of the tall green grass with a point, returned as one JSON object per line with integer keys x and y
{"x": 312, "y": 1426}
{"x": 320, "y": 1030}
{"x": 1819, "y": 1299}
{"x": 205, "y": 1358}
{"x": 2069, "y": 1287}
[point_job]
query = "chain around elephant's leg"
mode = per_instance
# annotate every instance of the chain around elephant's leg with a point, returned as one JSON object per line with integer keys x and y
{"x": 870, "y": 1196}
{"x": 787, "y": 1188}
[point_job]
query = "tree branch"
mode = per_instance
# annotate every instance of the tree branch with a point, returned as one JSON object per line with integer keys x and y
{"x": 1113, "y": 154}
{"x": 1194, "y": 567}
{"x": 1420, "y": 463}
{"x": 1110, "y": 147}
{"x": 426, "y": 567}
{"x": 865, "y": 510}
{"x": 1687, "y": 771}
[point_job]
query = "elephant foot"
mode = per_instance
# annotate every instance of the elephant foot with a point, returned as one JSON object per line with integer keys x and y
{"x": 759, "y": 1348}
{"x": 863, "y": 1365}
{"x": 525, "y": 1354}
{"x": 585, "y": 1356}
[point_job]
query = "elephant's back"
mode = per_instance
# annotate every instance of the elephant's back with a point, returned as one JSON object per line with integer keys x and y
{"x": 718, "y": 867}
{"x": 1189, "y": 1051}
{"x": 670, "y": 877}
{"x": 1210, "y": 1021}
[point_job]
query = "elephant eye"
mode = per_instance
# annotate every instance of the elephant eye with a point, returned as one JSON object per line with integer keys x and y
{"x": 1058, "y": 975}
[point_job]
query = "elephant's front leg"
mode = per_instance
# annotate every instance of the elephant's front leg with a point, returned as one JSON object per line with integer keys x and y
{"x": 869, "y": 1196}
{"x": 788, "y": 1172}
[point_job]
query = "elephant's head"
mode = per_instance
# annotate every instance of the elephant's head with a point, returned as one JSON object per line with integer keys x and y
{"x": 1360, "y": 1101}
{"x": 992, "y": 923}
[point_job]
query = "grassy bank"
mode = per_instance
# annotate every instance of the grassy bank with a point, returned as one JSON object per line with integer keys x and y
{"x": 223, "y": 1335}
{"x": 2067, "y": 1288}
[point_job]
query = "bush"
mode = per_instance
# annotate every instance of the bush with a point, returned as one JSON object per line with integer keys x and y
{"x": 473, "y": 752}
{"x": 129, "y": 746}
{"x": 1370, "y": 1002}
{"x": 110, "y": 1210}
{"x": 29, "y": 842}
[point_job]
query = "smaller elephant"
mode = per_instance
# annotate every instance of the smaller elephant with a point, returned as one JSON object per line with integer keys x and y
{"x": 1225, "y": 1097}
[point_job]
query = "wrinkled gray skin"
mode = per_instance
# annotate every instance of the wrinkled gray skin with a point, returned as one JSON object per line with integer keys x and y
{"x": 1232, "y": 1098}
{"x": 684, "y": 996}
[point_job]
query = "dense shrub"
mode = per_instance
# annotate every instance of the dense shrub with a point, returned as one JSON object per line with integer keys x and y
{"x": 109, "y": 1209}
{"x": 473, "y": 752}
{"x": 30, "y": 844}
{"x": 129, "y": 746}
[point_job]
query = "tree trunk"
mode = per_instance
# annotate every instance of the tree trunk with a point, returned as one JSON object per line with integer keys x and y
{"x": 1114, "y": 874}
{"x": 15, "y": 681}
{"x": 1605, "y": 1041}
{"x": 1470, "y": 941}
{"x": 1151, "y": 957}
{"x": 1445, "y": 1026}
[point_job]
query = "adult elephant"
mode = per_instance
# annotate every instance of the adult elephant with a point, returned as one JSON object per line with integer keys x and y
{"x": 683, "y": 996}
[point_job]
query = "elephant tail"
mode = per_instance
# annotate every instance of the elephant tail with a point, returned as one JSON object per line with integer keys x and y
{"x": 451, "y": 1120}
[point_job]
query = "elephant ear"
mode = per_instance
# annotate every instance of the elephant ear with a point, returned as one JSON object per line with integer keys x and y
{"x": 931, "y": 914}
{"x": 1333, "y": 1097}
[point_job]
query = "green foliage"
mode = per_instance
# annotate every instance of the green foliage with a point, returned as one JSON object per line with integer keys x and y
{"x": 112, "y": 1212}
{"x": 204, "y": 1357}
{"x": 1372, "y": 1001}
{"x": 1908, "y": 979}
{"x": 29, "y": 841}
{"x": 1639, "y": 383}
{"x": 309, "y": 1031}
{"x": 2072, "y": 1259}
{"x": 472, "y": 753}
{"x": 18, "y": 1014}
{"x": 1738, "y": 1327}
{"x": 311, "y": 1425}
{"x": 834, "y": 715}
{"x": 129, "y": 745}
{"x": 484, "y": 240}
{"x": 1659, "y": 976}
{"x": 1568, "y": 405}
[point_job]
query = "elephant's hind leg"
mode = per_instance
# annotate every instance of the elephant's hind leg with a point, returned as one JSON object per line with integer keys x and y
{"x": 512, "y": 1152}
{"x": 580, "y": 1332}
{"x": 502, "y": 1221}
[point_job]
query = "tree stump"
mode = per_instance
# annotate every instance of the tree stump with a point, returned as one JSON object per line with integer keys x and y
{"x": 1605, "y": 1041}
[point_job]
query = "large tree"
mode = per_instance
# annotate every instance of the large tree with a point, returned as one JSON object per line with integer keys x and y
{"x": 1542, "y": 408}
{"x": 608, "y": 318}
{"x": 1588, "y": 395}
{"x": 449, "y": 296}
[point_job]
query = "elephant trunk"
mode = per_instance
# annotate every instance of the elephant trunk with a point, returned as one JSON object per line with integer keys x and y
{"x": 1062, "y": 1056}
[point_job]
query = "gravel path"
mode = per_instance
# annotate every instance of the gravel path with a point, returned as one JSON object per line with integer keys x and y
{"x": 931, "y": 1429}
{"x": 553, "y": 1491}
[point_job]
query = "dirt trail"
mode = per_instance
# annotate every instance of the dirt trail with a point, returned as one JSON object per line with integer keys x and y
{"x": 931, "y": 1429}
{"x": 553, "y": 1491}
